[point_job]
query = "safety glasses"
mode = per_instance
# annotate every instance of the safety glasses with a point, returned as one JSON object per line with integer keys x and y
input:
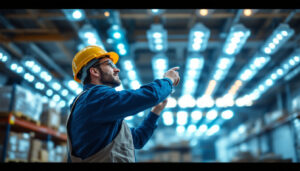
{"x": 110, "y": 63}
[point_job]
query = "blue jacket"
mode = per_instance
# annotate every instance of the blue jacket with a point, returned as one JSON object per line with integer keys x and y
{"x": 99, "y": 112}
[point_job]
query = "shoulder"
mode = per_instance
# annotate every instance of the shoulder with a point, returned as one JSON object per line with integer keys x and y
{"x": 100, "y": 90}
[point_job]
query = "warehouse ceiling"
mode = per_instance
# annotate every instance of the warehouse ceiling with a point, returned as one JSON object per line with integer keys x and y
{"x": 52, "y": 39}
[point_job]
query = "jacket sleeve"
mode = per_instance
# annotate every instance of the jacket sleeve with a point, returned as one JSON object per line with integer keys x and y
{"x": 143, "y": 133}
{"x": 114, "y": 105}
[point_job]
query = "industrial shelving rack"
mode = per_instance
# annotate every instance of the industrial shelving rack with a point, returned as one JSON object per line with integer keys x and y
{"x": 286, "y": 120}
{"x": 9, "y": 121}
{"x": 13, "y": 123}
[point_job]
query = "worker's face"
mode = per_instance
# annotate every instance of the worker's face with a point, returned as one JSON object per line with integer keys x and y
{"x": 109, "y": 73}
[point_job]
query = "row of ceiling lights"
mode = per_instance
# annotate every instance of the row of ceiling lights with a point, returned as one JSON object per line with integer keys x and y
{"x": 159, "y": 37}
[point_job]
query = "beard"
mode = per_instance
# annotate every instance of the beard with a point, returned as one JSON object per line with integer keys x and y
{"x": 110, "y": 80}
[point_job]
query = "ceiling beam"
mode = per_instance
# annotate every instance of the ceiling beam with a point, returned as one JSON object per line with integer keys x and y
{"x": 59, "y": 15}
{"x": 38, "y": 38}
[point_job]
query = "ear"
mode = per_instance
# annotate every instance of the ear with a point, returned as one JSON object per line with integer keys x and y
{"x": 94, "y": 72}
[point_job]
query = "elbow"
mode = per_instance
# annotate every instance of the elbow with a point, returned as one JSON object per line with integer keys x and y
{"x": 140, "y": 146}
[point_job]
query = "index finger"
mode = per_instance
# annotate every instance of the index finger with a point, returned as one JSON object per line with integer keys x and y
{"x": 175, "y": 68}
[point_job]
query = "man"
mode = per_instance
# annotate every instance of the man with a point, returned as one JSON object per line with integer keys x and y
{"x": 96, "y": 129}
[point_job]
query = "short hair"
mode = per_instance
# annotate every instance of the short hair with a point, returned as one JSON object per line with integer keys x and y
{"x": 87, "y": 79}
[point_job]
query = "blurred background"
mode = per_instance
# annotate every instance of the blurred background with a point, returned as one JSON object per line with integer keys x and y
{"x": 238, "y": 99}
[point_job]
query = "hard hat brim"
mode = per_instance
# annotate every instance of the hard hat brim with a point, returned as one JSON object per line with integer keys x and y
{"x": 113, "y": 56}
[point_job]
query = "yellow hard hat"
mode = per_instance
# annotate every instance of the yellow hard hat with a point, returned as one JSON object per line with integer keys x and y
{"x": 84, "y": 56}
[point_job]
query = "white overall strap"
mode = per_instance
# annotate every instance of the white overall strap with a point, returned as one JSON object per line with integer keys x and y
{"x": 69, "y": 145}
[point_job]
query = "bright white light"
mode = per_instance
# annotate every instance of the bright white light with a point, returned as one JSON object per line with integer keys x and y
{"x": 279, "y": 71}
{"x": 117, "y": 35}
{"x": 119, "y": 88}
{"x": 212, "y": 114}
{"x": 141, "y": 114}
{"x": 254, "y": 95}
{"x": 246, "y": 75}
{"x": 29, "y": 64}
{"x": 286, "y": 66}
{"x": 194, "y": 63}
{"x": 269, "y": 82}
{"x": 155, "y": 11}
{"x": 291, "y": 62}
{"x": 220, "y": 102}
{"x": 182, "y": 117}
{"x": 202, "y": 128}
{"x": 229, "y": 50}
{"x": 132, "y": 75}
{"x": 223, "y": 63}
{"x": 157, "y": 35}
{"x": 198, "y": 40}
{"x": 13, "y": 66}
{"x": 279, "y": 36}
{"x": 228, "y": 100}
{"x": 239, "y": 34}
{"x": 20, "y": 69}
{"x": 261, "y": 87}
{"x": 46, "y": 76}
{"x": 168, "y": 118}
{"x": 214, "y": 129}
{"x": 198, "y": 34}
{"x": 39, "y": 86}
{"x": 196, "y": 115}
{"x": 275, "y": 40}
{"x": 191, "y": 128}
{"x": 245, "y": 101}
{"x": 192, "y": 74}
{"x": 49, "y": 92}
{"x": 227, "y": 114}
{"x": 78, "y": 90}
{"x": 135, "y": 84}
{"x": 186, "y": 101}
{"x": 56, "y": 97}
{"x": 259, "y": 61}
{"x": 159, "y": 47}
{"x": 62, "y": 103}
{"x": 123, "y": 51}
{"x": 120, "y": 46}
{"x": 28, "y": 77}
{"x": 272, "y": 45}
{"x": 89, "y": 35}
{"x": 180, "y": 129}
{"x": 172, "y": 102}
{"x": 128, "y": 65}
{"x": 284, "y": 33}
{"x": 161, "y": 64}
{"x": 128, "y": 118}
{"x": 274, "y": 76}
{"x": 92, "y": 41}
{"x": 205, "y": 101}
{"x": 196, "y": 46}
{"x": 76, "y": 14}
{"x": 267, "y": 50}
{"x": 4, "y": 58}
{"x": 241, "y": 129}
{"x": 36, "y": 68}
{"x": 73, "y": 84}
{"x": 64, "y": 92}
{"x": 158, "y": 41}
{"x": 56, "y": 86}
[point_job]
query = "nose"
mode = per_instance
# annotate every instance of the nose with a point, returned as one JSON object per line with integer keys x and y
{"x": 116, "y": 70}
